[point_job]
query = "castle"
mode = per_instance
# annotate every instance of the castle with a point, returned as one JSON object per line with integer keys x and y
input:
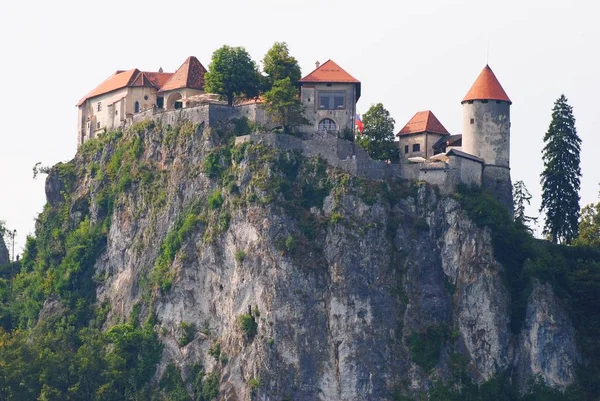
{"x": 480, "y": 155}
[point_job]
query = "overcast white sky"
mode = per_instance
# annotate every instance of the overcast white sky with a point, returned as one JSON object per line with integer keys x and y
{"x": 410, "y": 56}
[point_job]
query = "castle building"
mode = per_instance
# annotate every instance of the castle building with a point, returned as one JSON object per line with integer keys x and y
{"x": 125, "y": 93}
{"x": 329, "y": 95}
{"x": 418, "y": 137}
{"x": 486, "y": 132}
{"x": 485, "y": 138}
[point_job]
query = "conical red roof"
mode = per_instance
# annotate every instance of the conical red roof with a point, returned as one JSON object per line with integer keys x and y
{"x": 486, "y": 87}
{"x": 423, "y": 121}
{"x": 189, "y": 75}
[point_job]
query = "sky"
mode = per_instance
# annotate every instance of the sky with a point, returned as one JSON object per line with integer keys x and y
{"x": 410, "y": 56}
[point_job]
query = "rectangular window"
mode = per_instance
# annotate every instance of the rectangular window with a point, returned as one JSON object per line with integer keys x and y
{"x": 416, "y": 147}
{"x": 472, "y": 121}
{"x": 99, "y": 106}
{"x": 98, "y": 125}
{"x": 405, "y": 148}
{"x": 332, "y": 100}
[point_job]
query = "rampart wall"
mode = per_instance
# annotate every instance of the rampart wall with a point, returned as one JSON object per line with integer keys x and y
{"x": 339, "y": 153}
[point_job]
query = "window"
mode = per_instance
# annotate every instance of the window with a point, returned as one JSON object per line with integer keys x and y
{"x": 145, "y": 97}
{"x": 98, "y": 125}
{"x": 160, "y": 102}
{"x": 484, "y": 101}
{"x": 405, "y": 148}
{"x": 99, "y": 106}
{"x": 117, "y": 112}
{"x": 332, "y": 100}
{"x": 327, "y": 125}
{"x": 136, "y": 107}
{"x": 472, "y": 121}
{"x": 416, "y": 147}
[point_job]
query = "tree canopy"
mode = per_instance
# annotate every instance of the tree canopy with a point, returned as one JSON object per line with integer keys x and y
{"x": 284, "y": 106}
{"x": 378, "y": 132}
{"x": 561, "y": 175}
{"x": 279, "y": 64}
{"x": 589, "y": 226}
{"x": 232, "y": 73}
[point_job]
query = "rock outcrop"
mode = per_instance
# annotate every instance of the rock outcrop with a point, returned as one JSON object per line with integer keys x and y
{"x": 343, "y": 277}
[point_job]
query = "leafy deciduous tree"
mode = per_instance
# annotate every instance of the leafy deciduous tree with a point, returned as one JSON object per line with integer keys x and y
{"x": 378, "y": 132}
{"x": 232, "y": 73}
{"x": 561, "y": 175}
{"x": 589, "y": 226}
{"x": 279, "y": 64}
{"x": 284, "y": 106}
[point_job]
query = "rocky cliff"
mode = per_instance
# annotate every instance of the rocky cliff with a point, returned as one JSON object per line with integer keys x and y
{"x": 286, "y": 279}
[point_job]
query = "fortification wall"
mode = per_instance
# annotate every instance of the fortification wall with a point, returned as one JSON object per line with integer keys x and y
{"x": 339, "y": 153}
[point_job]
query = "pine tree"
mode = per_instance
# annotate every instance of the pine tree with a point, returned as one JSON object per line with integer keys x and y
{"x": 561, "y": 175}
{"x": 521, "y": 197}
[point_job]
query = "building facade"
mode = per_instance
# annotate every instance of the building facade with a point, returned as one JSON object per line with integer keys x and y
{"x": 329, "y": 95}
{"x": 125, "y": 93}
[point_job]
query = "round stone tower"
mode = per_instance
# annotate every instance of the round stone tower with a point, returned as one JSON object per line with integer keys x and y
{"x": 486, "y": 133}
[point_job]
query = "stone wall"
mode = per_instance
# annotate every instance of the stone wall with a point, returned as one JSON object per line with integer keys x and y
{"x": 339, "y": 153}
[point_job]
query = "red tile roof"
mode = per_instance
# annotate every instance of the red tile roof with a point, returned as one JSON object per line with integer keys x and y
{"x": 329, "y": 72}
{"x": 118, "y": 80}
{"x": 159, "y": 79}
{"x": 486, "y": 87}
{"x": 189, "y": 75}
{"x": 423, "y": 121}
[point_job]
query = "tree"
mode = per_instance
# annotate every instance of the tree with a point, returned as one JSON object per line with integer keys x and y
{"x": 278, "y": 65}
{"x": 283, "y": 105}
{"x": 589, "y": 226}
{"x": 378, "y": 132}
{"x": 561, "y": 175}
{"x": 521, "y": 197}
{"x": 232, "y": 73}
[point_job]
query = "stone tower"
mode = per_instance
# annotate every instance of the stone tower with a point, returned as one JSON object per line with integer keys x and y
{"x": 486, "y": 133}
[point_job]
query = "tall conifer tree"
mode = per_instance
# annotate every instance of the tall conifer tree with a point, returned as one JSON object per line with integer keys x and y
{"x": 561, "y": 175}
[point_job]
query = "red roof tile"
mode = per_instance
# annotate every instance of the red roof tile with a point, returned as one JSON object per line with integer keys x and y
{"x": 118, "y": 80}
{"x": 486, "y": 87}
{"x": 159, "y": 79}
{"x": 423, "y": 121}
{"x": 329, "y": 71}
{"x": 189, "y": 75}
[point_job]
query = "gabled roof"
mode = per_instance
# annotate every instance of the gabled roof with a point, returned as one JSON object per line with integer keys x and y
{"x": 118, "y": 80}
{"x": 451, "y": 140}
{"x": 486, "y": 87}
{"x": 330, "y": 72}
{"x": 423, "y": 121}
{"x": 189, "y": 75}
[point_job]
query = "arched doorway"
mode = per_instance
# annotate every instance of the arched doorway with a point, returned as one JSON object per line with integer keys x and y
{"x": 327, "y": 125}
{"x": 173, "y": 101}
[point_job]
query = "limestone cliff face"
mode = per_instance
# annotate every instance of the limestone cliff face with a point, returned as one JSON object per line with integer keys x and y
{"x": 343, "y": 277}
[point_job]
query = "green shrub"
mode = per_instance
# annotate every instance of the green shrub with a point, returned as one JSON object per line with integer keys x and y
{"x": 425, "y": 347}
{"x": 248, "y": 325}
{"x": 240, "y": 255}
{"x": 215, "y": 200}
{"x": 290, "y": 244}
{"x": 336, "y": 217}
{"x": 254, "y": 383}
{"x": 188, "y": 332}
{"x": 215, "y": 350}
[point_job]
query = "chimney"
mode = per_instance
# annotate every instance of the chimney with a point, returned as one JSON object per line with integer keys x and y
{"x": 160, "y": 70}
{"x": 318, "y": 64}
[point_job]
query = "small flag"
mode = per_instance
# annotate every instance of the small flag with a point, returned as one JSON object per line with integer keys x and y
{"x": 359, "y": 124}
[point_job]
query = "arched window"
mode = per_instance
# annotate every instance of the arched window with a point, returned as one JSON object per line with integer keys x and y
{"x": 136, "y": 107}
{"x": 327, "y": 124}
